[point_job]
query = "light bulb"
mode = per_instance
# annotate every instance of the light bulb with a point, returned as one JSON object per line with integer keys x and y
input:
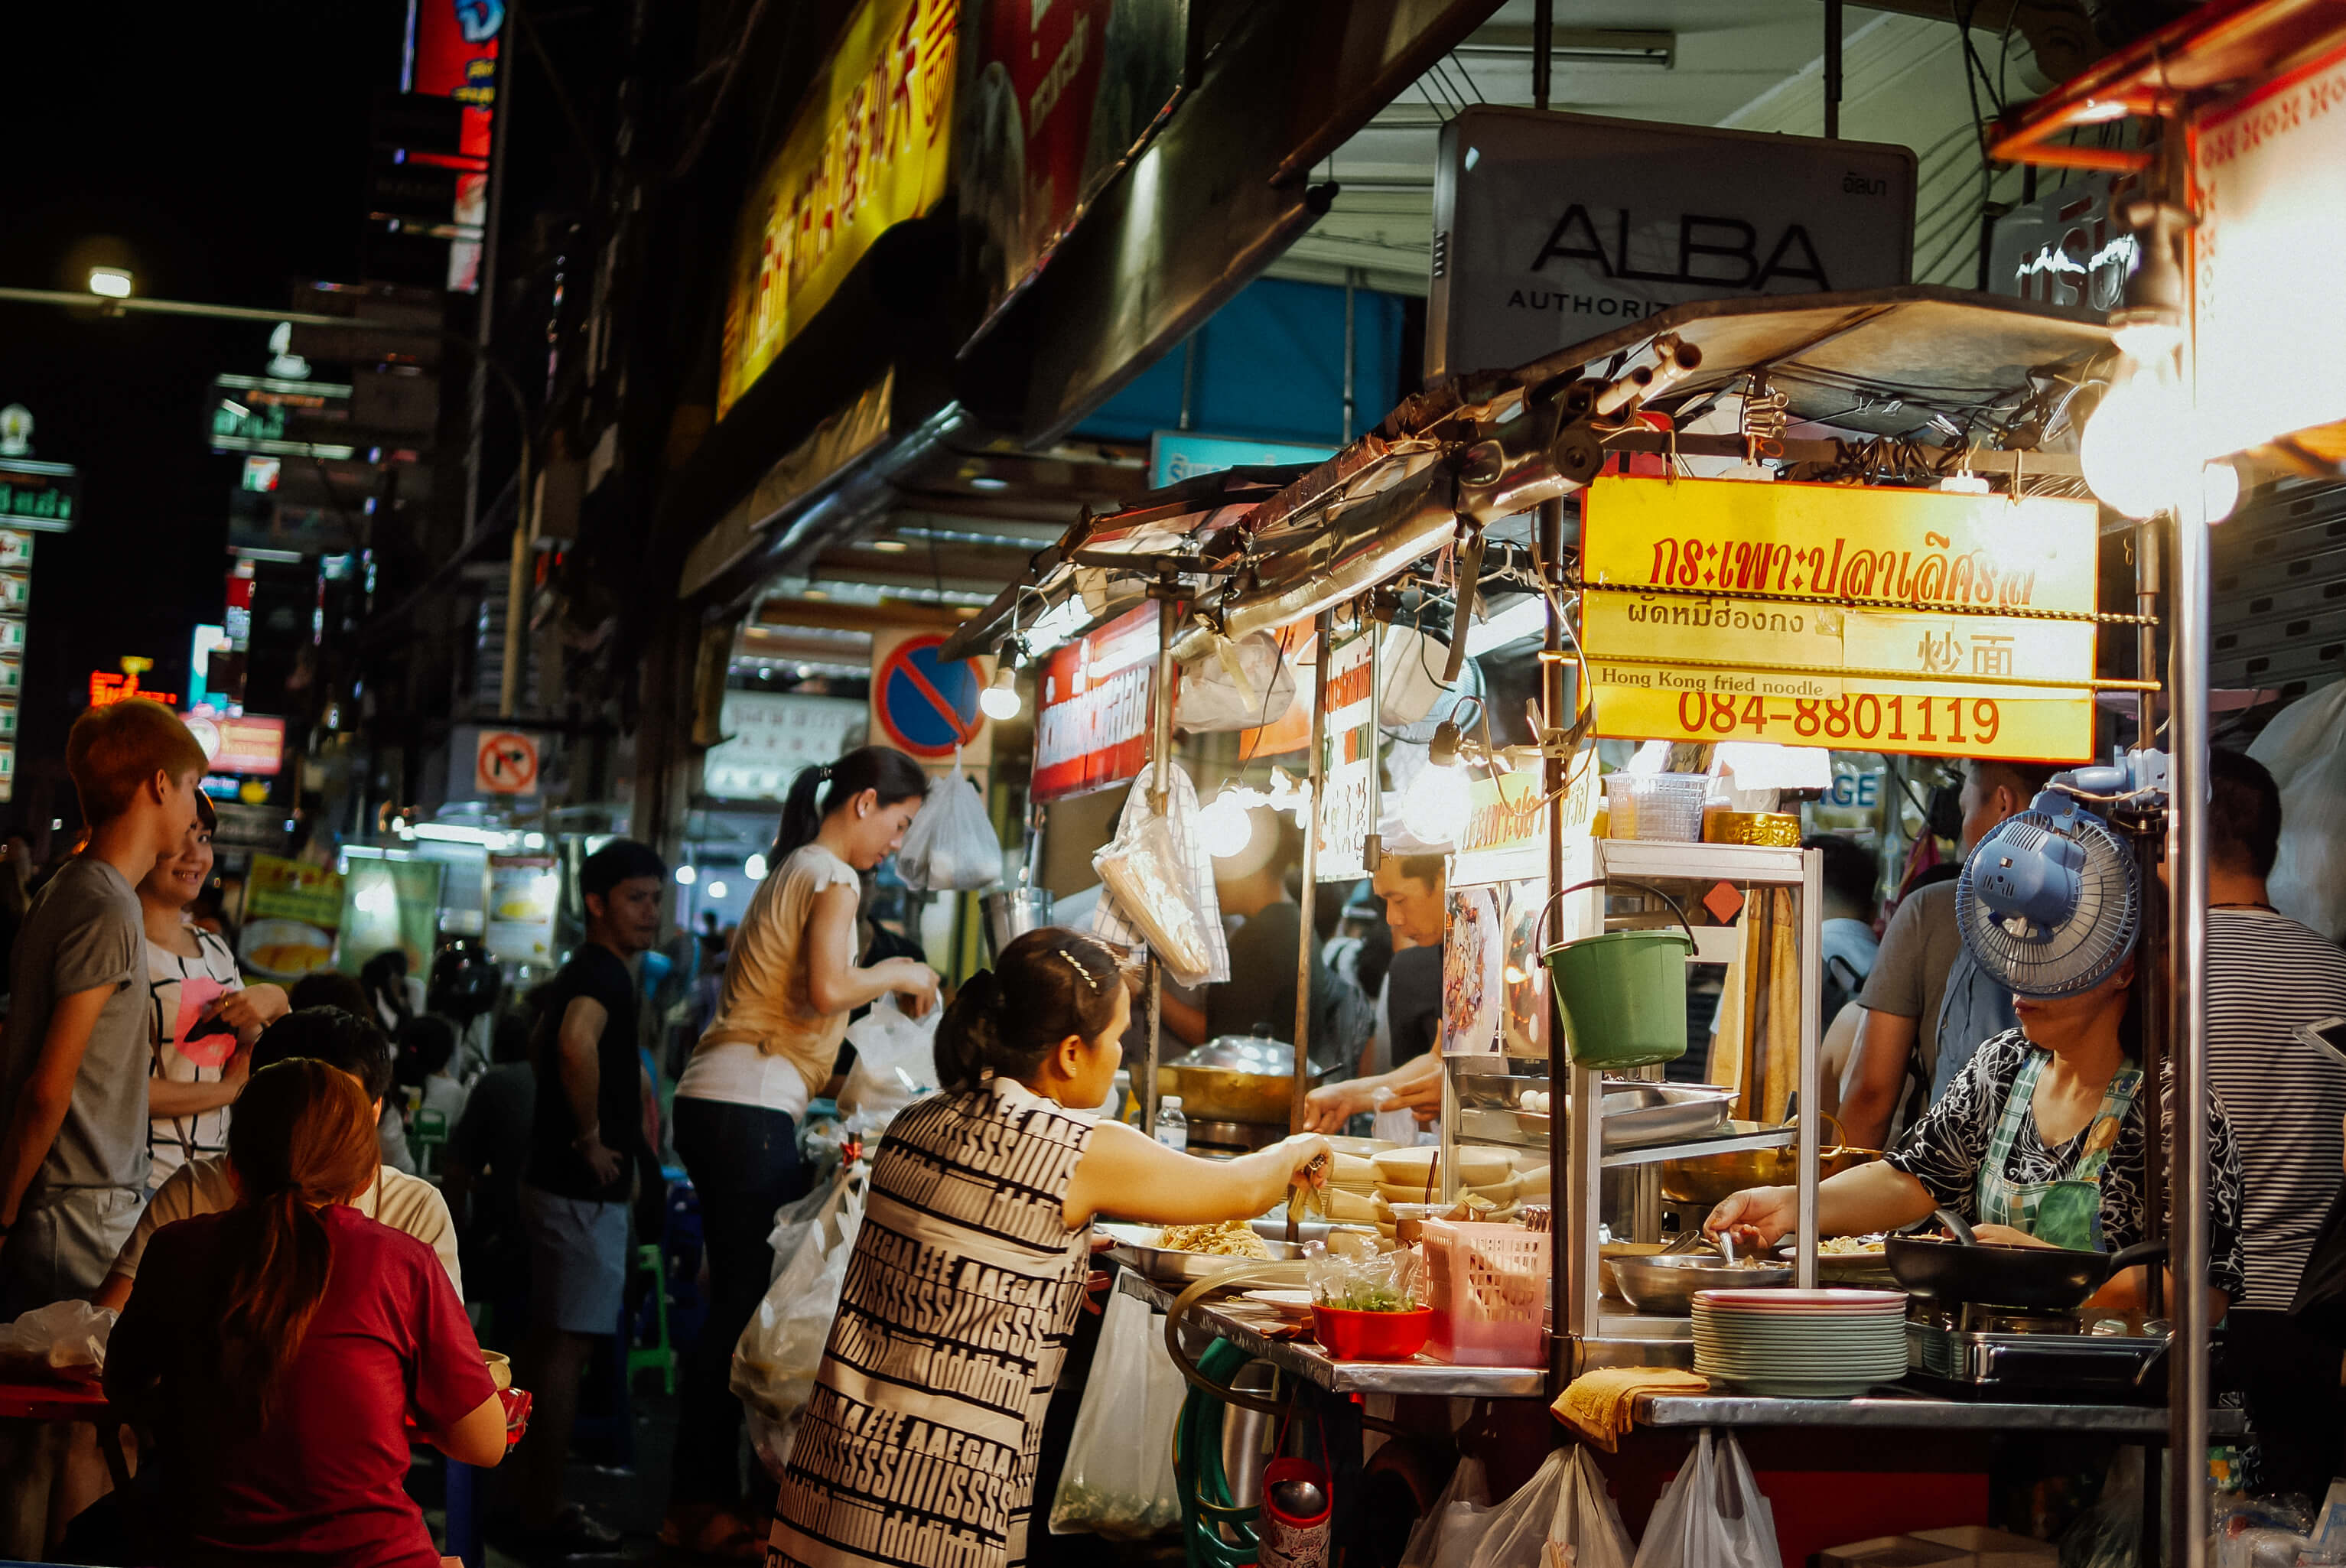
{"x": 2220, "y": 491}
{"x": 754, "y": 868}
{"x": 109, "y": 282}
{"x": 1223, "y": 827}
{"x": 1435, "y": 807}
{"x": 2135, "y": 451}
{"x": 999, "y": 700}
{"x": 686, "y": 876}
{"x": 717, "y": 890}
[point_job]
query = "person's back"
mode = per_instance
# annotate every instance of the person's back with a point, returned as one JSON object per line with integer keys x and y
{"x": 322, "y": 1481}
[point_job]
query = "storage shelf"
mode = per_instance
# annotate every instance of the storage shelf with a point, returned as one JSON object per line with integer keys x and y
{"x": 1761, "y": 864}
{"x": 1727, "y": 1141}
{"x": 1896, "y": 1411}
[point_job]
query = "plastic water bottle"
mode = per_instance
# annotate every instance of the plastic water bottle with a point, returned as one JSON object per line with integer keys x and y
{"x": 1172, "y": 1126}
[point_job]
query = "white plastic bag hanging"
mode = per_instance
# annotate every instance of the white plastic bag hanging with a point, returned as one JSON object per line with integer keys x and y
{"x": 777, "y": 1358}
{"x": 1712, "y": 1514}
{"x": 951, "y": 846}
{"x": 1167, "y": 884}
{"x": 1241, "y": 685}
{"x": 1564, "y": 1502}
{"x": 1118, "y": 1480}
{"x": 895, "y": 1064}
{"x": 1447, "y": 1537}
{"x": 2304, "y": 748}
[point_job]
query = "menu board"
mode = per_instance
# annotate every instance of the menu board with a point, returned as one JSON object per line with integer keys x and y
{"x": 292, "y": 911}
{"x": 524, "y": 891}
{"x": 1350, "y": 759}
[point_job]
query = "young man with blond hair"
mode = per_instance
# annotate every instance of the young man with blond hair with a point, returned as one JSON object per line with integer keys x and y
{"x": 73, "y": 1143}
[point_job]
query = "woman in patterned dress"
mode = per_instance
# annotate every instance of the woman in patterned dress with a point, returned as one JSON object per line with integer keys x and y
{"x": 918, "y": 1447}
{"x": 2038, "y": 1141}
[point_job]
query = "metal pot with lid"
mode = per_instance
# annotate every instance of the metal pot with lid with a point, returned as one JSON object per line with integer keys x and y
{"x": 1236, "y": 1078}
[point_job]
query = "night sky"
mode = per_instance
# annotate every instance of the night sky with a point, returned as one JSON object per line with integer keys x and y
{"x": 220, "y": 152}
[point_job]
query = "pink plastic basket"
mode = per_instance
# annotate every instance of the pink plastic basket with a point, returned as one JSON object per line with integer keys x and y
{"x": 1488, "y": 1286}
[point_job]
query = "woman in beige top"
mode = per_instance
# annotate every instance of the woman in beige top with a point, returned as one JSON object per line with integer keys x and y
{"x": 791, "y": 981}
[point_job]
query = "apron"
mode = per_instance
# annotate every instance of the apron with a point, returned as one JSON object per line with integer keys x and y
{"x": 2066, "y": 1212}
{"x": 1396, "y": 1127}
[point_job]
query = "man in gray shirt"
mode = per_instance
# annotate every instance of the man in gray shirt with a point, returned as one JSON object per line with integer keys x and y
{"x": 73, "y": 1159}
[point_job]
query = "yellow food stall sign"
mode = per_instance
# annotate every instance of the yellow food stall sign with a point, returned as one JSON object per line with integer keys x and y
{"x": 1928, "y": 623}
{"x": 1506, "y": 824}
{"x": 871, "y": 147}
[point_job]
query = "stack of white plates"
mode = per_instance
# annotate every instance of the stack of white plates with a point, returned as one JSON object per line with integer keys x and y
{"x": 1801, "y": 1344}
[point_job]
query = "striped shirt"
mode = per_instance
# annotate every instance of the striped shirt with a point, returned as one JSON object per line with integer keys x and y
{"x": 918, "y": 1447}
{"x": 2266, "y": 975}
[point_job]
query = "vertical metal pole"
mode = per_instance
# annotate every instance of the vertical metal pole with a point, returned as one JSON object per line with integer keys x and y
{"x": 1833, "y": 68}
{"x": 2187, "y": 880}
{"x": 2149, "y": 987}
{"x": 1564, "y": 1222}
{"x": 1351, "y": 352}
{"x": 1160, "y": 764}
{"x": 517, "y": 568}
{"x": 1311, "y": 899}
{"x": 1189, "y": 382}
{"x": 1372, "y": 847}
{"x": 1812, "y": 961}
{"x": 1544, "y": 49}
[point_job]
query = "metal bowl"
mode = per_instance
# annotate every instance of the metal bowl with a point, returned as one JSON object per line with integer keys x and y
{"x": 1666, "y": 1285}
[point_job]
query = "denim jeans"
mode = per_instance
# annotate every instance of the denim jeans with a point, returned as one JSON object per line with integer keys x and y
{"x": 744, "y": 1164}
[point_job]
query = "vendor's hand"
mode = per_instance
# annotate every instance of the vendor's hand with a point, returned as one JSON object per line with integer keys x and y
{"x": 1095, "y": 1285}
{"x": 915, "y": 985}
{"x": 1420, "y": 1095}
{"x": 1327, "y": 1108}
{"x": 2006, "y": 1235}
{"x": 1762, "y": 1215}
{"x": 605, "y": 1163}
{"x": 253, "y": 1008}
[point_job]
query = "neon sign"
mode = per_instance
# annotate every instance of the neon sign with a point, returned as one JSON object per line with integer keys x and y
{"x": 105, "y": 688}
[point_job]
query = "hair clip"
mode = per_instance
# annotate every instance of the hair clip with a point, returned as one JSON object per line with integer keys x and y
{"x": 822, "y": 774}
{"x": 1079, "y": 968}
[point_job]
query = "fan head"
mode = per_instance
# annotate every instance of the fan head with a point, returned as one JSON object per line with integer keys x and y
{"x": 2050, "y": 903}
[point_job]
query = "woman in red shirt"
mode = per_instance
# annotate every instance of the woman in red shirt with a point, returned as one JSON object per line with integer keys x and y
{"x": 280, "y": 1348}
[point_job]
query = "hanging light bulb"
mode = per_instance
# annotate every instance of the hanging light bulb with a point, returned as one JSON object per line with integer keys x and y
{"x": 2135, "y": 451}
{"x": 2220, "y": 490}
{"x": 999, "y": 700}
{"x": 1435, "y": 807}
{"x": 1223, "y": 827}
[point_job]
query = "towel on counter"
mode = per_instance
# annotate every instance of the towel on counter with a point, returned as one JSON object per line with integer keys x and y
{"x": 1598, "y": 1405}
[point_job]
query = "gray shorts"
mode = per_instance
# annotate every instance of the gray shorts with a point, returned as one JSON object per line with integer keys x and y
{"x": 578, "y": 1261}
{"x": 64, "y": 1244}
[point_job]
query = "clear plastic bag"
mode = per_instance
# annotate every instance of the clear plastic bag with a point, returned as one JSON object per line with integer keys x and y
{"x": 777, "y": 1358}
{"x": 60, "y": 1335}
{"x": 2304, "y": 748}
{"x": 1145, "y": 877}
{"x": 895, "y": 1064}
{"x": 951, "y": 846}
{"x": 1447, "y": 1537}
{"x": 1564, "y": 1502}
{"x": 1241, "y": 685}
{"x": 1712, "y": 1514}
{"x": 1118, "y": 1480}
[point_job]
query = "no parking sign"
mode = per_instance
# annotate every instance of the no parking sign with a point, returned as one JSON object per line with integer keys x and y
{"x": 922, "y": 705}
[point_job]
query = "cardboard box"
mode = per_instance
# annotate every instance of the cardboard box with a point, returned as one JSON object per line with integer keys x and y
{"x": 1893, "y": 1552}
{"x": 1993, "y": 1548}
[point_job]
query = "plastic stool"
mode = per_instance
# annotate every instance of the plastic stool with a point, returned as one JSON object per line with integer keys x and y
{"x": 426, "y": 1136}
{"x": 659, "y": 1354}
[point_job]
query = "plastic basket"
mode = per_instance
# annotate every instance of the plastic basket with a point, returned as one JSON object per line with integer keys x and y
{"x": 1667, "y": 807}
{"x": 1487, "y": 1285}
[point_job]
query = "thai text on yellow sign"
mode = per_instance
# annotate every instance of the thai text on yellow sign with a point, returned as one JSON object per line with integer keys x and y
{"x": 1879, "y": 629}
{"x": 871, "y": 148}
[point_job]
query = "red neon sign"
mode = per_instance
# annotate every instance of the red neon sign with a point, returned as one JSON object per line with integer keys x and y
{"x": 105, "y": 688}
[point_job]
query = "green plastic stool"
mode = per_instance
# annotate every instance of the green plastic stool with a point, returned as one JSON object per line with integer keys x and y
{"x": 426, "y": 1136}
{"x": 659, "y": 1354}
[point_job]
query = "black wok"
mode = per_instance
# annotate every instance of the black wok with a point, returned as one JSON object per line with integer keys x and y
{"x": 2039, "y": 1279}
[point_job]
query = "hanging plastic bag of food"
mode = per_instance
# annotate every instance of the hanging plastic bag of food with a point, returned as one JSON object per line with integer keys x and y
{"x": 1241, "y": 685}
{"x": 1160, "y": 885}
{"x": 1564, "y": 1503}
{"x": 777, "y": 1358}
{"x": 895, "y": 1062}
{"x": 951, "y": 846}
{"x": 1119, "y": 1479}
{"x": 1447, "y": 1537}
{"x": 1712, "y": 1514}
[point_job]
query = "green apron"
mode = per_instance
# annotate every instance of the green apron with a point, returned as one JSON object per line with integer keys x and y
{"x": 2066, "y": 1212}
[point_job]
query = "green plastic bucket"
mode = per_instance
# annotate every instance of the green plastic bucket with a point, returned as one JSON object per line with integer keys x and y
{"x": 1622, "y": 996}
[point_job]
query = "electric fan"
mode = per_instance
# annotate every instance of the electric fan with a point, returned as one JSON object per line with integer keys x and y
{"x": 2050, "y": 903}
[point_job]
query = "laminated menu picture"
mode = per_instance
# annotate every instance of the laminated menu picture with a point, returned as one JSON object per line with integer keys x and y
{"x": 1474, "y": 985}
{"x": 198, "y": 995}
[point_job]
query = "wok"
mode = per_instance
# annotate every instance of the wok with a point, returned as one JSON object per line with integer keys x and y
{"x": 2039, "y": 1279}
{"x": 1713, "y": 1178}
{"x": 1235, "y": 1079}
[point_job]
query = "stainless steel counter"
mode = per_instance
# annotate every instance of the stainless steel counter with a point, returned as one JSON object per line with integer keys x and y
{"x": 1904, "y": 1410}
{"x": 1242, "y": 1325}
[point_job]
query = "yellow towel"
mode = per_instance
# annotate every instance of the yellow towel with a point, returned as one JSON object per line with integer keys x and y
{"x": 1597, "y": 1404}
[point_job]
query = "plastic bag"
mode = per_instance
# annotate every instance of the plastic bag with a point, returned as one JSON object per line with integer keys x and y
{"x": 1119, "y": 1479}
{"x": 1241, "y": 685}
{"x": 1566, "y": 1502}
{"x": 777, "y": 1358}
{"x": 1712, "y": 1514}
{"x": 2304, "y": 748}
{"x": 61, "y": 1334}
{"x": 1447, "y": 1537}
{"x": 951, "y": 846}
{"x": 2109, "y": 1534}
{"x": 1144, "y": 876}
{"x": 1113, "y": 922}
{"x": 895, "y": 1064}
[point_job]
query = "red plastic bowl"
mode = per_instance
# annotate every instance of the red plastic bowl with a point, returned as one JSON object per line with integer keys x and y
{"x": 1371, "y": 1335}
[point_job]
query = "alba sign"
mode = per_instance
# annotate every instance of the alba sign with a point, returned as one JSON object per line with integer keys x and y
{"x": 1550, "y": 229}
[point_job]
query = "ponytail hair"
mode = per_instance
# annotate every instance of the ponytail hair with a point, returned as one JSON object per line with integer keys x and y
{"x": 1047, "y": 984}
{"x": 303, "y": 1135}
{"x": 817, "y": 792}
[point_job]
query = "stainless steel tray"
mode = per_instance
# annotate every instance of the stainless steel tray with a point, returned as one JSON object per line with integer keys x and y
{"x": 1637, "y": 1116}
{"x": 1135, "y": 1248}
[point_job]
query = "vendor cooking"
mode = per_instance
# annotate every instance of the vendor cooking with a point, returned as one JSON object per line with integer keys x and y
{"x": 2038, "y": 1141}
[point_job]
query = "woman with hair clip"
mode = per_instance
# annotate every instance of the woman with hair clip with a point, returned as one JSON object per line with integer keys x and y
{"x": 918, "y": 1444}
{"x": 280, "y": 1348}
{"x": 791, "y": 981}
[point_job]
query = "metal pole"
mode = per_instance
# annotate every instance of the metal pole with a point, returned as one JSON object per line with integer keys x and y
{"x": 1542, "y": 50}
{"x": 2149, "y": 988}
{"x": 1564, "y": 1219}
{"x": 1160, "y": 763}
{"x": 2186, "y": 878}
{"x": 1351, "y": 352}
{"x": 1833, "y": 68}
{"x": 517, "y": 568}
{"x": 1310, "y": 931}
